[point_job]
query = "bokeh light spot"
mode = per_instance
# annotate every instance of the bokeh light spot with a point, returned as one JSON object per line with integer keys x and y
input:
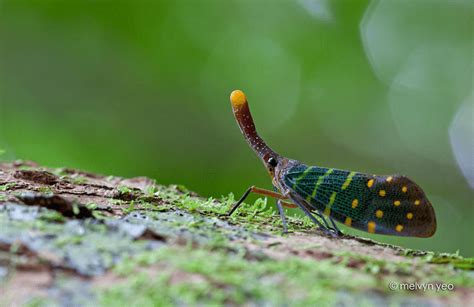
{"x": 461, "y": 136}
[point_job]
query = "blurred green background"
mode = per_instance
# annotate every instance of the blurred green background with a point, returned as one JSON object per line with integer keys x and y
{"x": 141, "y": 88}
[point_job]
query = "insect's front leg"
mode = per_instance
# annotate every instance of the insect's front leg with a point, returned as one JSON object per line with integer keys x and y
{"x": 240, "y": 201}
{"x": 254, "y": 189}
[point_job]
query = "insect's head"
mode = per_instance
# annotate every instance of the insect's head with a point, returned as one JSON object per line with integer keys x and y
{"x": 271, "y": 161}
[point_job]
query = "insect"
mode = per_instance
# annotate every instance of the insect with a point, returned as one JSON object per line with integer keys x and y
{"x": 390, "y": 205}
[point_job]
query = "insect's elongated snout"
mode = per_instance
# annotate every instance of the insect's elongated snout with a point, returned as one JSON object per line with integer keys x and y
{"x": 243, "y": 116}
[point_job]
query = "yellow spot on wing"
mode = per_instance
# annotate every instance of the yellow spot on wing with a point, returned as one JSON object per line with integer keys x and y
{"x": 396, "y": 203}
{"x": 417, "y": 202}
{"x": 355, "y": 202}
{"x": 404, "y": 189}
{"x": 382, "y": 193}
{"x": 379, "y": 213}
{"x": 348, "y": 180}
{"x": 399, "y": 228}
{"x": 370, "y": 183}
{"x": 348, "y": 221}
{"x": 389, "y": 178}
{"x": 409, "y": 215}
{"x": 371, "y": 227}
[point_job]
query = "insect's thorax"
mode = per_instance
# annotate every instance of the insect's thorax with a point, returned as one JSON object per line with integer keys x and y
{"x": 280, "y": 172}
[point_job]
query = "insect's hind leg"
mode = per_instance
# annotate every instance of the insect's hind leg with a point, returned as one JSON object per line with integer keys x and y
{"x": 321, "y": 216}
{"x": 326, "y": 229}
{"x": 336, "y": 229}
{"x": 310, "y": 215}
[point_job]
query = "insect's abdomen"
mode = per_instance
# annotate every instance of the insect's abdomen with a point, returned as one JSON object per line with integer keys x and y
{"x": 393, "y": 205}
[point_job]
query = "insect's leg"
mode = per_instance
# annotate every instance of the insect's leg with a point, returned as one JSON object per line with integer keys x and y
{"x": 338, "y": 231}
{"x": 304, "y": 203}
{"x": 240, "y": 201}
{"x": 321, "y": 216}
{"x": 306, "y": 211}
{"x": 334, "y": 230}
{"x": 334, "y": 227}
{"x": 255, "y": 190}
{"x": 282, "y": 215}
{"x": 288, "y": 205}
{"x": 265, "y": 192}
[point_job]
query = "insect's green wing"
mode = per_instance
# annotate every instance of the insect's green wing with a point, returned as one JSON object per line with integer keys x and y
{"x": 392, "y": 205}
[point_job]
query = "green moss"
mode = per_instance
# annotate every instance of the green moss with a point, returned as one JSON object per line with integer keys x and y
{"x": 259, "y": 216}
{"x": 124, "y": 189}
{"x": 130, "y": 208}
{"x": 60, "y": 171}
{"x": 91, "y": 206}
{"x": 118, "y": 202}
{"x": 128, "y": 193}
{"x": 40, "y": 302}
{"x": 63, "y": 241}
{"x": 197, "y": 276}
{"x": 27, "y": 168}
{"x": 79, "y": 180}
{"x": 5, "y": 187}
{"x": 151, "y": 190}
{"x": 52, "y": 216}
{"x": 455, "y": 259}
{"x": 45, "y": 190}
{"x": 405, "y": 271}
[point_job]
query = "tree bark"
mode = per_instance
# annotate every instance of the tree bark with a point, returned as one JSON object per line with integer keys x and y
{"x": 73, "y": 237}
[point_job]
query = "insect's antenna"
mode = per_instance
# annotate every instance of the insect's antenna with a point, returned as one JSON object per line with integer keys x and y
{"x": 242, "y": 114}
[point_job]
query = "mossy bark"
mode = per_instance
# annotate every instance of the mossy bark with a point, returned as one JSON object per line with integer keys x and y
{"x": 71, "y": 237}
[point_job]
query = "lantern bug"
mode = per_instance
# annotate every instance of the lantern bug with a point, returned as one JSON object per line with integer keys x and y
{"x": 390, "y": 205}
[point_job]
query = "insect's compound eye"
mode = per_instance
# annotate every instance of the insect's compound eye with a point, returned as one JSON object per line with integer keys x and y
{"x": 272, "y": 162}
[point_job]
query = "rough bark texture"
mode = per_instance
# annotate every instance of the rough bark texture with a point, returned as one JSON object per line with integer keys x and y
{"x": 70, "y": 237}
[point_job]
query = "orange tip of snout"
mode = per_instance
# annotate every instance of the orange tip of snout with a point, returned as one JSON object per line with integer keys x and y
{"x": 237, "y": 98}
